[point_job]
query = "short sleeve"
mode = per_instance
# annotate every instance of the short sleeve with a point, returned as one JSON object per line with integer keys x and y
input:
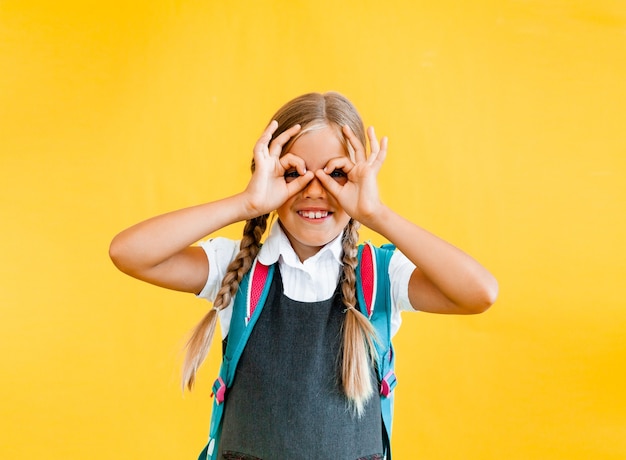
{"x": 400, "y": 271}
{"x": 220, "y": 252}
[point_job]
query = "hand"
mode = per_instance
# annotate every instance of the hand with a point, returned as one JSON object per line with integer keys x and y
{"x": 359, "y": 195}
{"x": 267, "y": 189}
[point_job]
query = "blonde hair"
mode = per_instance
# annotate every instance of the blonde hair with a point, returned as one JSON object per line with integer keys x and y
{"x": 311, "y": 111}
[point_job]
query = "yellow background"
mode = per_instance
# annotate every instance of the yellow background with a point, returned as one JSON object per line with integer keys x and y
{"x": 506, "y": 123}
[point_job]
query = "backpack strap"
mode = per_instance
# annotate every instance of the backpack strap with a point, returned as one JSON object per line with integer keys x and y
{"x": 374, "y": 298}
{"x": 248, "y": 304}
{"x": 258, "y": 288}
{"x": 367, "y": 275}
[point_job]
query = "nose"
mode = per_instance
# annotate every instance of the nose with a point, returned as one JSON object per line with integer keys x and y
{"x": 314, "y": 189}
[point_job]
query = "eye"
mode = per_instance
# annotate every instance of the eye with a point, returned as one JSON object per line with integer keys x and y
{"x": 291, "y": 175}
{"x": 339, "y": 175}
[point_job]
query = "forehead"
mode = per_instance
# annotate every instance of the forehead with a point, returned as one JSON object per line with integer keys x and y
{"x": 318, "y": 146}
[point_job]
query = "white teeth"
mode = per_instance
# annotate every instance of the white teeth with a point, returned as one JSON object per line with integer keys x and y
{"x": 314, "y": 214}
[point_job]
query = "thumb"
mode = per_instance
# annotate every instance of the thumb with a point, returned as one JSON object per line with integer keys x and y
{"x": 299, "y": 183}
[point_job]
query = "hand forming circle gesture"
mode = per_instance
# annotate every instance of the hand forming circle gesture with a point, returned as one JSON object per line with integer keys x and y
{"x": 359, "y": 195}
{"x": 267, "y": 189}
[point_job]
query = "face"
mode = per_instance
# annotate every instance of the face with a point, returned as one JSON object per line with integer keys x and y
{"x": 312, "y": 217}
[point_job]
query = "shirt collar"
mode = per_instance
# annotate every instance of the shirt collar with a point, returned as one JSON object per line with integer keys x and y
{"x": 277, "y": 246}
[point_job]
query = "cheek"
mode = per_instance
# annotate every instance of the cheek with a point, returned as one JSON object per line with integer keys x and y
{"x": 342, "y": 217}
{"x": 282, "y": 211}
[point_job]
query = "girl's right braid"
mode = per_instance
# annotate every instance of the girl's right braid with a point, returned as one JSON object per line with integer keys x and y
{"x": 358, "y": 350}
{"x": 202, "y": 335}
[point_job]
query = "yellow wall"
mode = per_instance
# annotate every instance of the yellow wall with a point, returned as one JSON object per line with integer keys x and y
{"x": 506, "y": 123}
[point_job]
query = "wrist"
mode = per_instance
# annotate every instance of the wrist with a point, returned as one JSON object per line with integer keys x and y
{"x": 377, "y": 219}
{"x": 250, "y": 207}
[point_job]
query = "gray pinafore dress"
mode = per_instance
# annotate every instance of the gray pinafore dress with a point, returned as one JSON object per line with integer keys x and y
{"x": 286, "y": 401}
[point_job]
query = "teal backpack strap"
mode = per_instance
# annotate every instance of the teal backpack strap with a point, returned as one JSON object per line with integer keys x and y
{"x": 374, "y": 297}
{"x": 249, "y": 301}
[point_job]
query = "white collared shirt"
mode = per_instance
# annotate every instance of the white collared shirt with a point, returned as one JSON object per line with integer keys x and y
{"x": 313, "y": 280}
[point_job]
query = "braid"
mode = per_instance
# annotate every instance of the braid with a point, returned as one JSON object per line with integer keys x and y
{"x": 202, "y": 335}
{"x": 358, "y": 333}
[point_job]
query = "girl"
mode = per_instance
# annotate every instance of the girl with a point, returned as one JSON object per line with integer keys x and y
{"x": 306, "y": 381}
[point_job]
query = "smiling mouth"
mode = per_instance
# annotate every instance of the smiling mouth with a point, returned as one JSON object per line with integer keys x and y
{"x": 314, "y": 214}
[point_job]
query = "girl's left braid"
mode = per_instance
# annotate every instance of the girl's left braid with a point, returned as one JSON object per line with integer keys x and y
{"x": 358, "y": 350}
{"x": 201, "y": 337}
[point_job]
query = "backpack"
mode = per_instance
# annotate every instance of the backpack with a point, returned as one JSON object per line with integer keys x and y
{"x": 374, "y": 301}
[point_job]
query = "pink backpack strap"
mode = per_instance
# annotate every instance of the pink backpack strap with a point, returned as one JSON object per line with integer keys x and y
{"x": 255, "y": 288}
{"x": 368, "y": 277}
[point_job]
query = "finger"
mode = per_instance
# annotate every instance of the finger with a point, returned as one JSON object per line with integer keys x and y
{"x": 374, "y": 145}
{"x": 382, "y": 153}
{"x": 359, "y": 149}
{"x": 343, "y": 163}
{"x": 289, "y": 160}
{"x": 299, "y": 183}
{"x": 277, "y": 144}
{"x": 266, "y": 136}
{"x": 378, "y": 150}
